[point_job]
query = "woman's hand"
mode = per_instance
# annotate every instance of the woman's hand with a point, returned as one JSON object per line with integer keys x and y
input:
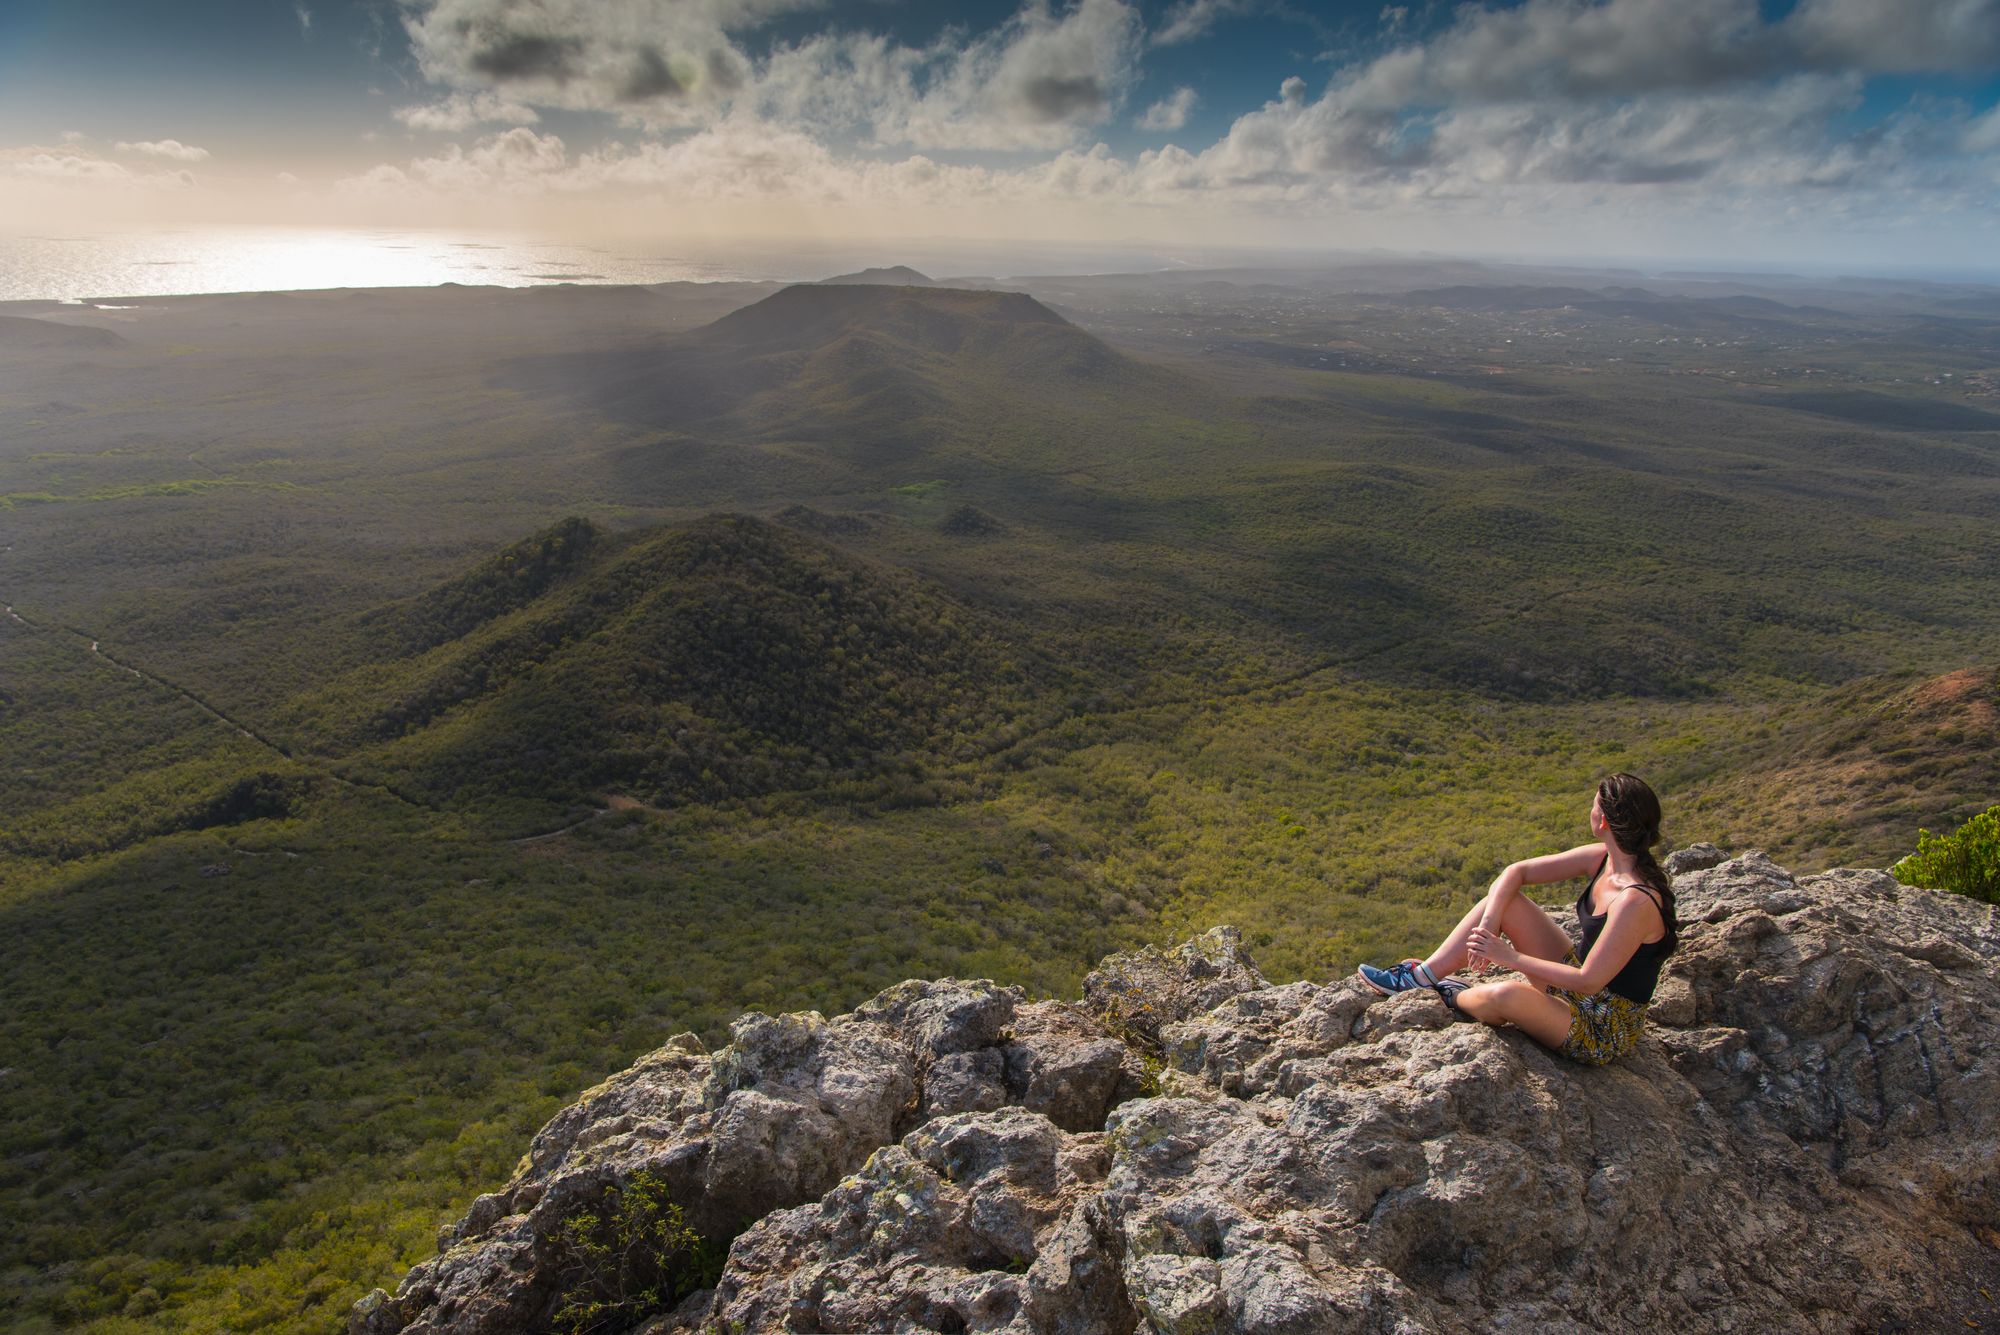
{"x": 1492, "y": 947}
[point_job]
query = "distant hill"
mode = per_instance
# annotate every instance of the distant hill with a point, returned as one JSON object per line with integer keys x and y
{"x": 876, "y": 372}
{"x": 926, "y": 319}
{"x": 726, "y": 657}
{"x": 1638, "y": 302}
{"x": 900, "y": 275}
{"x": 1466, "y": 297}
{"x": 19, "y": 332}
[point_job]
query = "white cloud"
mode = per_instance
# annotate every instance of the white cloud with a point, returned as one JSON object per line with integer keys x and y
{"x": 1630, "y": 111}
{"x": 1983, "y": 135}
{"x": 658, "y": 62}
{"x": 1740, "y": 164}
{"x": 515, "y": 161}
{"x": 76, "y": 167}
{"x": 71, "y": 136}
{"x": 166, "y": 148}
{"x": 463, "y": 111}
{"x": 1570, "y": 48}
{"x": 1618, "y": 48}
{"x": 1169, "y": 113}
{"x": 64, "y": 166}
{"x": 305, "y": 19}
{"x": 1033, "y": 81}
{"x": 1773, "y": 140}
{"x": 1189, "y": 19}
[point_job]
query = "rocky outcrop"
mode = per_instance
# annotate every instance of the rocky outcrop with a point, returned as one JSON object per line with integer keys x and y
{"x": 1805, "y": 1140}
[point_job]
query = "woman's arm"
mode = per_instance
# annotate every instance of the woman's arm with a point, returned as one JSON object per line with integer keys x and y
{"x": 1578, "y": 861}
{"x": 1625, "y": 926}
{"x": 1506, "y": 886}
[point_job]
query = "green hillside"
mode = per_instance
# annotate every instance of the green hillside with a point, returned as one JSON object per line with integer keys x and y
{"x": 719, "y": 659}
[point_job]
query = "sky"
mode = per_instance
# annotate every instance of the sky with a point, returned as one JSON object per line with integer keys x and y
{"x": 1821, "y": 131}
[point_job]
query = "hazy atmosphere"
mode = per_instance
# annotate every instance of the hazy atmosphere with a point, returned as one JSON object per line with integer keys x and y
{"x": 672, "y": 666}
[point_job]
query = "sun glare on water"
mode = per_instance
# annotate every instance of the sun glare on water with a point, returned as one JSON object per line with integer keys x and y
{"x": 167, "y": 263}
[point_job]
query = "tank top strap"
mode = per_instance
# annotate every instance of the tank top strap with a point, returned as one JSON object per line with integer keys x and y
{"x": 1653, "y": 893}
{"x": 1583, "y": 894}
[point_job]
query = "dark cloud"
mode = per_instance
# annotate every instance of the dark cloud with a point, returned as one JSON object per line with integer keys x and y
{"x": 725, "y": 71}
{"x": 650, "y": 78}
{"x": 1906, "y": 36}
{"x": 1053, "y": 98}
{"x": 517, "y": 55}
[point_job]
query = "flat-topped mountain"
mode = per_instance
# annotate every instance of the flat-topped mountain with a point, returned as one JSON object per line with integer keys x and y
{"x": 1808, "y": 1138}
{"x": 929, "y": 319}
{"x": 879, "y": 371}
{"x": 896, "y": 275}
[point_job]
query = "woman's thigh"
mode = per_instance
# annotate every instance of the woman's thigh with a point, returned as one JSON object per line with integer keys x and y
{"x": 1518, "y": 1002}
{"x": 1533, "y": 932}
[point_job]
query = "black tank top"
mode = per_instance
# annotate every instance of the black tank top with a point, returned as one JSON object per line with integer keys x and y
{"x": 1641, "y": 974}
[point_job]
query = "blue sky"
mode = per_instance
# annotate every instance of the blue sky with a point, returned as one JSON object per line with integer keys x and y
{"x": 1861, "y": 130}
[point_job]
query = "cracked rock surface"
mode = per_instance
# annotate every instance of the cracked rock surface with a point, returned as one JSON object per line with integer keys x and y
{"x": 1805, "y": 1140}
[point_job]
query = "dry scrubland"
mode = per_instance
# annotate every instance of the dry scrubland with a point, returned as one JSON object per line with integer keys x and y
{"x": 417, "y": 704}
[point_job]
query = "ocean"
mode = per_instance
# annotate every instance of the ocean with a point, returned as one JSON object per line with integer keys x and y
{"x": 109, "y": 265}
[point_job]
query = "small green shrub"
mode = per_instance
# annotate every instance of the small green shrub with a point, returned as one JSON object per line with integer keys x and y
{"x": 1966, "y": 861}
{"x": 632, "y": 1257}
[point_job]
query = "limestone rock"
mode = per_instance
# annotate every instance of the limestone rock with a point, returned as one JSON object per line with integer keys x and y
{"x": 1695, "y": 857}
{"x": 1807, "y": 1139}
{"x": 1136, "y": 992}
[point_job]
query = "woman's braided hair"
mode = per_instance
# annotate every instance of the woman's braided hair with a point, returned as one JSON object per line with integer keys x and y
{"x": 1632, "y": 810}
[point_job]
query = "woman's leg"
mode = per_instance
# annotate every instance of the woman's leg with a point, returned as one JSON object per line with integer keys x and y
{"x": 1516, "y": 1001}
{"x": 1526, "y": 923}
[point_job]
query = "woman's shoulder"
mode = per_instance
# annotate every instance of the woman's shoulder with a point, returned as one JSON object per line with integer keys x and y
{"x": 1633, "y": 892}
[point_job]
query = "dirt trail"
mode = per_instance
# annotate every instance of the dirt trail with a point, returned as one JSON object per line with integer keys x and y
{"x": 238, "y": 726}
{"x": 560, "y": 830}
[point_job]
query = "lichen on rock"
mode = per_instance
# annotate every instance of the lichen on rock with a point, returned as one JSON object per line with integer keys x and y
{"x": 1805, "y": 1139}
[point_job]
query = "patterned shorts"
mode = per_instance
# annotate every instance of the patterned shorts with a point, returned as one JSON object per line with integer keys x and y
{"x": 1602, "y": 1028}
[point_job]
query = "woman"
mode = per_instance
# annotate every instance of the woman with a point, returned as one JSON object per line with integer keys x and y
{"x": 1590, "y": 1008}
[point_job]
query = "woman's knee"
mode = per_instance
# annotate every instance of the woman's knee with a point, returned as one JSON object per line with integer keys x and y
{"x": 1484, "y": 1001}
{"x": 1492, "y": 1002}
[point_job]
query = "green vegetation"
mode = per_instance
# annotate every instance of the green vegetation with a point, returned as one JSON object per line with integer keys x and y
{"x": 363, "y": 811}
{"x": 728, "y": 657}
{"x": 633, "y": 1256}
{"x": 510, "y": 580}
{"x": 1966, "y": 861}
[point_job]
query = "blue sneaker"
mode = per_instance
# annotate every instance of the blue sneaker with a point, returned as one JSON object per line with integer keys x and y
{"x": 1397, "y": 978}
